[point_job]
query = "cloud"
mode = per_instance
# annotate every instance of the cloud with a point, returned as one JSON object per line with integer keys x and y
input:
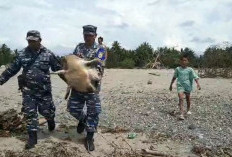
{"x": 62, "y": 49}
{"x": 4, "y": 8}
{"x": 205, "y": 40}
{"x": 194, "y": 23}
{"x": 118, "y": 24}
{"x": 122, "y": 25}
{"x": 154, "y": 2}
{"x": 187, "y": 24}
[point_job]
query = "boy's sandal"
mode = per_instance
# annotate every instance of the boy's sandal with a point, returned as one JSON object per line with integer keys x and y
{"x": 181, "y": 117}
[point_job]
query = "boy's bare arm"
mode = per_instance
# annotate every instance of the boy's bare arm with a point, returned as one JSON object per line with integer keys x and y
{"x": 173, "y": 80}
{"x": 198, "y": 84}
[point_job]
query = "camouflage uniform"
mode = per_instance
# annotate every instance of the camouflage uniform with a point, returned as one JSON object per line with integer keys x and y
{"x": 103, "y": 56}
{"x": 37, "y": 91}
{"x": 77, "y": 99}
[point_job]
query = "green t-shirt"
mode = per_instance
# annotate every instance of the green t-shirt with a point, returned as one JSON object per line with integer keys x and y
{"x": 185, "y": 77}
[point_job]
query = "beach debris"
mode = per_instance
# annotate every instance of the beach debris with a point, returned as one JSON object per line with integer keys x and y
{"x": 191, "y": 127}
{"x": 206, "y": 72}
{"x": 132, "y": 135}
{"x": 154, "y": 74}
{"x": 11, "y": 120}
{"x": 200, "y": 150}
{"x": 154, "y": 153}
{"x": 2, "y": 67}
{"x": 173, "y": 113}
{"x": 42, "y": 121}
{"x": 116, "y": 129}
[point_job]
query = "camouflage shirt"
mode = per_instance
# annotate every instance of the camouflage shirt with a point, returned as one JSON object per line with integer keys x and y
{"x": 104, "y": 55}
{"x": 88, "y": 53}
{"x": 38, "y": 74}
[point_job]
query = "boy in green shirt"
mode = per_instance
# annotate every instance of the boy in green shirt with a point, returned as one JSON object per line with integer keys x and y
{"x": 185, "y": 76}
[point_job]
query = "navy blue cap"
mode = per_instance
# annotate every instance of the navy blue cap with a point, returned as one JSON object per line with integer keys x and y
{"x": 90, "y": 29}
{"x": 33, "y": 35}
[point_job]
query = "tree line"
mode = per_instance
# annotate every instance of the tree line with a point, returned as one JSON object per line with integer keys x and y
{"x": 168, "y": 57}
{"x": 144, "y": 54}
{"x": 6, "y": 55}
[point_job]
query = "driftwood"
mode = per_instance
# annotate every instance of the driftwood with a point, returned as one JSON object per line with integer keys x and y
{"x": 42, "y": 121}
{"x": 114, "y": 130}
{"x": 12, "y": 121}
{"x": 151, "y": 152}
{"x": 154, "y": 63}
{"x": 154, "y": 74}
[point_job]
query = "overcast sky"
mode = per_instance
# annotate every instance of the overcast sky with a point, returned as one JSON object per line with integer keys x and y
{"x": 196, "y": 24}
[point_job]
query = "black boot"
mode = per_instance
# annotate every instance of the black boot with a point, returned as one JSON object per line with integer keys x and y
{"x": 32, "y": 141}
{"x": 51, "y": 124}
{"x": 89, "y": 142}
{"x": 81, "y": 126}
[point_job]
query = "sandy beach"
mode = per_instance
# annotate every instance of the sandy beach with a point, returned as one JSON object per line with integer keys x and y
{"x": 133, "y": 101}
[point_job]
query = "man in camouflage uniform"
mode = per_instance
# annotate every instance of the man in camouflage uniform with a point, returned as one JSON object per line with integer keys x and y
{"x": 104, "y": 55}
{"x": 36, "y": 91}
{"x": 89, "y": 121}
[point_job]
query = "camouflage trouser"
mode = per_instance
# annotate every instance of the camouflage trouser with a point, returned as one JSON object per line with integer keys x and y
{"x": 32, "y": 102}
{"x": 76, "y": 104}
{"x": 103, "y": 69}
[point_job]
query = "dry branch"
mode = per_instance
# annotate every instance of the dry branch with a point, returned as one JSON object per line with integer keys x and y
{"x": 150, "y": 152}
